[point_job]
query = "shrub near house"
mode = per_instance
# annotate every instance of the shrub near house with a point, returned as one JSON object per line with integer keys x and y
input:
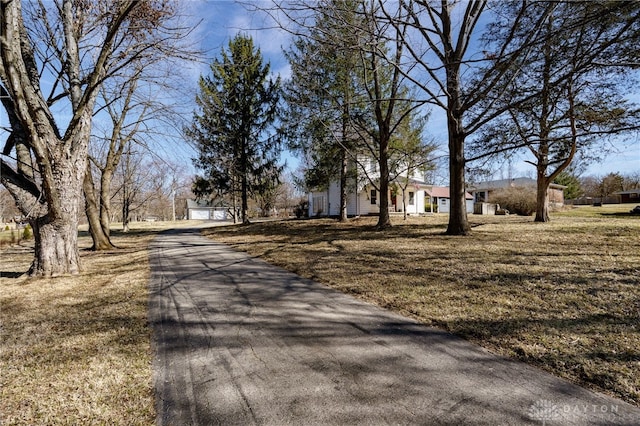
{"x": 518, "y": 195}
{"x": 517, "y": 200}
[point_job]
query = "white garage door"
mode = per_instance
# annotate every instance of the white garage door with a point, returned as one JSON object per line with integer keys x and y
{"x": 219, "y": 214}
{"x": 200, "y": 214}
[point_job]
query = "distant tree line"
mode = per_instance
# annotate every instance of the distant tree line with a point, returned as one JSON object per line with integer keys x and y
{"x": 602, "y": 186}
{"x": 548, "y": 82}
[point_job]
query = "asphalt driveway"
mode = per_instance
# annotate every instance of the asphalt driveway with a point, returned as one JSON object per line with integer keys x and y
{"x": 238, "y": 341}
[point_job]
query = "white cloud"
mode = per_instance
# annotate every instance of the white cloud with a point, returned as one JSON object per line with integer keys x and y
{"x": 283, "y": 71}
{"x": 261, "y": 28}
{"x": 220, "y": 21}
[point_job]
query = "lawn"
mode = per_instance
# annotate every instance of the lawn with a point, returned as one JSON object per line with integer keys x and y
{"x": 13, "y": 236}
{"x": 76, "y": 349}
{"x": 564, "y": 296}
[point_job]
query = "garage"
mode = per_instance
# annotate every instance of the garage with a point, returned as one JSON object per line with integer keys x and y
{"x": 203, "y": 210}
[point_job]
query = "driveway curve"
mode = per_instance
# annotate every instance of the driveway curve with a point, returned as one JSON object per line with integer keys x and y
{"x": 240, "y": 342}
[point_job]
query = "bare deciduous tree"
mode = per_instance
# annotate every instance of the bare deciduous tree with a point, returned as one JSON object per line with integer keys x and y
{"x": 61, "y": 53}
{"x": 347, "y": 91}
{"x": 438, "y": 41}
{"x": 573, "y": 104}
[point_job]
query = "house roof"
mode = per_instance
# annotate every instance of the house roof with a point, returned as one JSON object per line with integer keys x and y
{"x": 631, "y": 191}
{"x": 508, "y": 183}
{"x": 416, "y": 183}
{"x": 443, "y": 192}
{"x": 205, "y": 204}
{"x": 194, "y": 204}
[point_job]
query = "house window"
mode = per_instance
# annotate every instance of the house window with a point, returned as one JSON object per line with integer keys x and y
{"x": 411, "y": 198}
{"x": 374, "y": 197}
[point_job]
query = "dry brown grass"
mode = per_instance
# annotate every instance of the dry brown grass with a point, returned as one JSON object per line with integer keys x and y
{"x": 564, "y": 295}
{"x": 76, "y": 349}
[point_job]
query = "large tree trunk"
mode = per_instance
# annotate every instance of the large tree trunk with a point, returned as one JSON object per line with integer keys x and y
{"x": 100, "y": 239}
{"x": 244, "y": 184}
{"x": 245, "y": 200}
{"x": 542, "y": 200}
{"x": 60, "y": 159}
{"x": 458, "y": 222}
{"x": 125, "y": 214}
{"x": 245, "y": 203}
{"x": 56, "y": 237}
{"x": 384, "y": 221}
{"x": 235, "y": 204}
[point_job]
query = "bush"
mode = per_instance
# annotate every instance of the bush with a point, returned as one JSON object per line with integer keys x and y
{"x": 302, "y": 209}
{"x": 518, "y": 200}
{"x": 434, "y": 206}
{"x": 27, "y": 234}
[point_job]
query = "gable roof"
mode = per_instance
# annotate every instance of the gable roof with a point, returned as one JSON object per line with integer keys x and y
{"x": 416, "y": 183}
{"x": 206, "y": 204}
{"x": 631, "y": 191}
{"x": 194, "y": 204}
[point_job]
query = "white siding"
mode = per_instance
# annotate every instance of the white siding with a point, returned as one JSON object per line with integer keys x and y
{"x": 334, "y": 199}
{"x": 372, "y": 208}
{"x": 443, "y": 205}
{"x": 418, "y": 201}
{"x": 199, "y": 214}
{"x": 353, "y": 204}
{"x": 469, "y": 206}
{"x": 317, "y": 203}
{"x": 325, "y": 203}
{"x": 363, "y": 206}
{"x": 220, "y": 214}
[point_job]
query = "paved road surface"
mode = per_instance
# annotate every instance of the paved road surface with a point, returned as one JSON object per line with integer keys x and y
{"x": 240, "y": 342}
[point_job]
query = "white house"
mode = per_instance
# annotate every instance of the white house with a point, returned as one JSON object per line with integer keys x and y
{"x": 364, "y": 199}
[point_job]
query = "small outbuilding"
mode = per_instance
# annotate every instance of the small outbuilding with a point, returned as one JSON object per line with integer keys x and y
{"x": 440, "y": 196}
{"x": 206, "y": 210}
{"x": 631, "y": 196}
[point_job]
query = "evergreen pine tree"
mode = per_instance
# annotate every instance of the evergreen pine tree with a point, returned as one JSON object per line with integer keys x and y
{"x": 233, "y": 129}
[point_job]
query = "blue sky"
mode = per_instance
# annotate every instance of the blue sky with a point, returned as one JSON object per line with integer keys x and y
{"x": 223, "y": 19}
